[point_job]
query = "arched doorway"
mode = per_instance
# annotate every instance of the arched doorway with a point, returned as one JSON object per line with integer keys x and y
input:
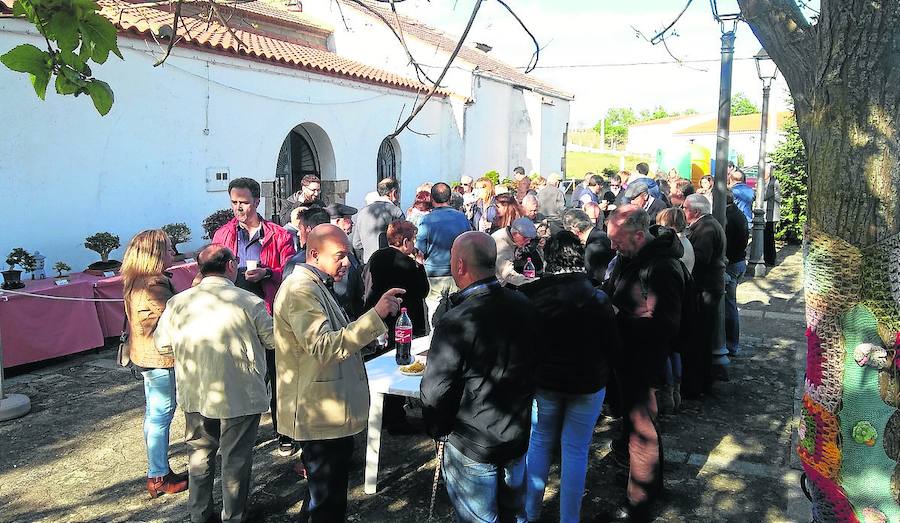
{"x": 388, "y": 162}
{"x": 306, "y": 150}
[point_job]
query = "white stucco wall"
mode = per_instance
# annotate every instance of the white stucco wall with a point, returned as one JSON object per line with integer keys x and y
{"x": 504, "y": 126}
{"x": 71, "y": 173}
{"x": 554, "y": 120}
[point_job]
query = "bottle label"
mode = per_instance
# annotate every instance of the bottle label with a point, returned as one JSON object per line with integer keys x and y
{"x": 403, "y": 335}
{"x": 529, "y": 274}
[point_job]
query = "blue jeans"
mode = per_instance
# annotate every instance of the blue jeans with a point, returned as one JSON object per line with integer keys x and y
{"x": 484, "y": 492}
{"x": 159, "y": 391}
{"x": 569, "y": 418}
{"x": 733, "y": 274}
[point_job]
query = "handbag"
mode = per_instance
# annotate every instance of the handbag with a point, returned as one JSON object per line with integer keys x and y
{"x": 123, "y": 358}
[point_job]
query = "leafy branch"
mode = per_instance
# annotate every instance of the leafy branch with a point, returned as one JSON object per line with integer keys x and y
{"x": 76, "y": 34}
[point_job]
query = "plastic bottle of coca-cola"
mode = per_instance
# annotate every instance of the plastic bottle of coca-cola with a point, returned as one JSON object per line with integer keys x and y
{"x": 529, "y": 271}
{"x": 403, "y": 338}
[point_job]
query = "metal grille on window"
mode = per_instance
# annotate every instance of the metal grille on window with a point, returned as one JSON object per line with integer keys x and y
{"x": 387, "y": 161}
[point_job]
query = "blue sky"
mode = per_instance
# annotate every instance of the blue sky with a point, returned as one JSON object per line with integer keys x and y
{"x": 582, "y": 32}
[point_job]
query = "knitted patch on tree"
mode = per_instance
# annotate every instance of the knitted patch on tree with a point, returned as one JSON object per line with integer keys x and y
{"x": 829, "y": 504}
{"x": 866, "y": 469}
{"x": 818, "y": 447}
{"x": 824, "y": 369}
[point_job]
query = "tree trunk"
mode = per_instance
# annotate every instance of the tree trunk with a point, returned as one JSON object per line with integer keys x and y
{"x": 843, "y": 74}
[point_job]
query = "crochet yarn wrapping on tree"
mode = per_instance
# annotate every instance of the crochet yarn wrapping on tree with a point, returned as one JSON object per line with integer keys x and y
{"x": 866, "y": 470}
{"x": 850, "y": 429}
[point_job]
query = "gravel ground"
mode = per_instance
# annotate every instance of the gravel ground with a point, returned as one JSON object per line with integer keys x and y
{"x": 79, "y": 455}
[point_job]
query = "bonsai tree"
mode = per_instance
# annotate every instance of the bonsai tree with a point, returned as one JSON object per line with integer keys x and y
{"x": 60, "y": 267}
{"x": 29, "y": 263}
{"x": 178, "y": 233}
{"x": 17, "y": 256}
{"x": 102, "y": 243}
{"x": 215, "y": 220}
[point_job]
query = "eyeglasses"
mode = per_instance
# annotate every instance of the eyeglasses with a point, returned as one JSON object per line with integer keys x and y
{"x": 466, "y": 184}
{"x": 614, "y": 185}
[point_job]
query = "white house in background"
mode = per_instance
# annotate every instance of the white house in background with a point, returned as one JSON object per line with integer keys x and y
{"x": 743, "y": 137}
{"x": 647, "y": 137}
{"x": 509, "y": 119}
{"x": 283, "y": 95}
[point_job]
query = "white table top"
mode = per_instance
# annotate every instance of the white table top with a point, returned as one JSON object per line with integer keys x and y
{"x": 385, "y": 376}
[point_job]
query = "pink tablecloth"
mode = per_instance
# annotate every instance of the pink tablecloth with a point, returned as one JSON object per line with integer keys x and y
{"x": 34, "y": 329}
{"x": 112, "y": 315}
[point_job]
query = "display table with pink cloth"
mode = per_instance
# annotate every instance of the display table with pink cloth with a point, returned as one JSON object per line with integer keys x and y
{"x": 35, "y": 329}
{"x": 112, "y": 315}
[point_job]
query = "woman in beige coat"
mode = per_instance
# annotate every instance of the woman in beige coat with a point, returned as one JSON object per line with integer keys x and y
{"x": 147, "y": 289}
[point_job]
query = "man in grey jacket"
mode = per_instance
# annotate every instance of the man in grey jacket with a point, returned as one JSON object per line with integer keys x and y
{"x": 219, "y": 334}
{"x": 551, "y": 198}
{"x": 370, "y": 231}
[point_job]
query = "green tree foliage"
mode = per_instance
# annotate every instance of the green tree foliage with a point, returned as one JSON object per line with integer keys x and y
{"x": 214, "y": 221}
{"x": 741, "y": 105}
{"x": 76, "y": 34}
{"x": 102, "y": 243}
{"x": 791, "y": 173}
{"x": 617, "y": 121}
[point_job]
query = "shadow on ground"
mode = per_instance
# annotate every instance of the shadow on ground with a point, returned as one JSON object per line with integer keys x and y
{"x": 79, "y": 456}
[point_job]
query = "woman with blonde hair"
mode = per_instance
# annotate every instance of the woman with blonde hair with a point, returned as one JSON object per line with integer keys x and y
{"x": 147, "y": 289}
{"x": 484, "y": 210}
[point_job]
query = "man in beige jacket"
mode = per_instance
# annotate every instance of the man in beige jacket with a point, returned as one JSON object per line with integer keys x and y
{"x": 323, "y": 390}
{"x": 219, "y": 334}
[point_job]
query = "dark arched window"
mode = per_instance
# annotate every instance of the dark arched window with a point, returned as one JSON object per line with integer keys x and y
{"x": 296, "y": 159}
{"x": 388, "y": 166}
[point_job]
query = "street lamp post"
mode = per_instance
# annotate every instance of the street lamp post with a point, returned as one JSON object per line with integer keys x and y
{"x": 767, "y": 71}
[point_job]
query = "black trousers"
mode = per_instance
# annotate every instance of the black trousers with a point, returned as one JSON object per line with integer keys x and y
{"x": 769, "y": 254}
{"x": 327, "y": 465}
{"x": 697, "y": 363}
{"x": 271, "y": 380}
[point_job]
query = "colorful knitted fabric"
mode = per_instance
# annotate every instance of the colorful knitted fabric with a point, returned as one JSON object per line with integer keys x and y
{"x": 865, "y": 472}
{"x": 824, "y": 369}
{"x": 829, "y": 504}
{"x": 818, "y": 448}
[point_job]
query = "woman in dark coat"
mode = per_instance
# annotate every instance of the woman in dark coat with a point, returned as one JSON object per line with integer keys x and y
{"x": 395, "y": 267}
{"x": 579, "y": 340}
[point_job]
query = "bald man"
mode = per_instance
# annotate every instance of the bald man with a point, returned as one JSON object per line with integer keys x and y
{"x": 323, "y": 391}
{"x": 477, "y": 388}
{"x": 219, "y": 334}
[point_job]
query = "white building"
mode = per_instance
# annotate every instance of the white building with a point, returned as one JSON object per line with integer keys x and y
{"x": 285, "y": 95}
{"x": 647, "y": 137}
{"x": 743, "y": 136}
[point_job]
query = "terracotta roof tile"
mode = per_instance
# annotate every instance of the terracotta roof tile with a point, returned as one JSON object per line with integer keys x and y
{"x": 739, "y": 124}
{"x": 148, "y": 22}
{"x": 446, "y": 43}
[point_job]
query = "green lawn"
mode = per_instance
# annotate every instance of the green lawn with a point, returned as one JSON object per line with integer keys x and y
{"x": 578, "y": 163}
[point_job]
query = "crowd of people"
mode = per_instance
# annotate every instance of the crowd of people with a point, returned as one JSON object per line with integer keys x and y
{"x": 280, "y": 319}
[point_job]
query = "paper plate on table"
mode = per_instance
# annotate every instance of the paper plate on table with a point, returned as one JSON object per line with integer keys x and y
{"x": 415, "y": 368}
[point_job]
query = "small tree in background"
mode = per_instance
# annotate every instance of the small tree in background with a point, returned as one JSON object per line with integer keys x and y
{"x": 214, "y": 221}
{"x": 178, "y": 233}
{"x": 741, "y": 105}
{"x": 60, "y": 267}
{"x": 791, "y": 173}
{"x": 102, "y": 243}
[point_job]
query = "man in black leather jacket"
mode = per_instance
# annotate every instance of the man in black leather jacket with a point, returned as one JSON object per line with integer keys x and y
{"x": 478, "y": 386}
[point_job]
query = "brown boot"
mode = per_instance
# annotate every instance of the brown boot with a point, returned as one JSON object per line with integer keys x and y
{"x": 168, "y": 484}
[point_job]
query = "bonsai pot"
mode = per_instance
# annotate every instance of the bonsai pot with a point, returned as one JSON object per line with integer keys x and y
{"x": 98, "y": 268}
{"x": 12, "y": 279}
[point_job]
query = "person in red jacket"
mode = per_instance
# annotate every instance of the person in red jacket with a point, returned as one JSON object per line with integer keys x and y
{"x": 262, "y": 248}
